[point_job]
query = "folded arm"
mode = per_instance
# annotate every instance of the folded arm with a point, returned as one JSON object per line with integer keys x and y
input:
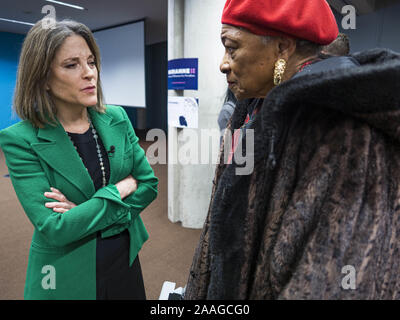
{"x": 146, "y": 181}
{"x": 105, "y": 208}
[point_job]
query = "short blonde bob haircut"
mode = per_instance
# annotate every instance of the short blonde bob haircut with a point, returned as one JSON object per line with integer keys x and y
{"x": 31, "y": 100}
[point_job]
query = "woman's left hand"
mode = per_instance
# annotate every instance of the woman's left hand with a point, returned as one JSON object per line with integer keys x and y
{"x": 63, "y": 204}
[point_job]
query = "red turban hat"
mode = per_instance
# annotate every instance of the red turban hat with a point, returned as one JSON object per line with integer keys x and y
{"x": 311, "y": 20}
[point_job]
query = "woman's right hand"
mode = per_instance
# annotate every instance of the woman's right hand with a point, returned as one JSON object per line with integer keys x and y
{"x": 126, "y": 186}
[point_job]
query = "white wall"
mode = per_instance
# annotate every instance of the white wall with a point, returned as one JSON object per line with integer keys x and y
{"x": 189, "y": 186}
{"x": 123, "y": 65}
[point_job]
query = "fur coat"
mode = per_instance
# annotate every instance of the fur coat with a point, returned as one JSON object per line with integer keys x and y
{"x": 324, "y": 193}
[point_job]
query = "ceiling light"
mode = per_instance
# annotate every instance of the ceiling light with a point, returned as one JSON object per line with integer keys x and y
{"x": 67, "y": 4}
{"x": 16, "y": 21}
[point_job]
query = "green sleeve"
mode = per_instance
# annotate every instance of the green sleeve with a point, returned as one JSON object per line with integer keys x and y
{"x": 143, "y": 173}
{"x": 30, "y": 182}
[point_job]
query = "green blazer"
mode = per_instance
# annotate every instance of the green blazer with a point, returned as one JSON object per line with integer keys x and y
{"x": 38, "y": 159}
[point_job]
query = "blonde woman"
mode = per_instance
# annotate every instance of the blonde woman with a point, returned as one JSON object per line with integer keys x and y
{"x": 78, "y": 171}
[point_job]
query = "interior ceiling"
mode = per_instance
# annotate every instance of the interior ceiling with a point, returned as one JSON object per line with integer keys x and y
{"x": 106, "y": 13}
{"x": 362, "y": 6}
{"x": 99, "y": 14}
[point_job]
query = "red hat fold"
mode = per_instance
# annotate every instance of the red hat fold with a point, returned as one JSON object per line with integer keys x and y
{"x": 311, "y": 20}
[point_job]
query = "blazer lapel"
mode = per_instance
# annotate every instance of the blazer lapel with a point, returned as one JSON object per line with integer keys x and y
{"x": 59, "y": 153}
{"x": 112, "y": 133}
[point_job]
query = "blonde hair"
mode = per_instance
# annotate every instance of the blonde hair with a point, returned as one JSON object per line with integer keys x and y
{"x": 31, "y": 99}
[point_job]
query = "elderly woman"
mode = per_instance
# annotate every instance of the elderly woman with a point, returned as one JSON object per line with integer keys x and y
{"x": 78, "y": 171}
{"x": 318, "y": 217}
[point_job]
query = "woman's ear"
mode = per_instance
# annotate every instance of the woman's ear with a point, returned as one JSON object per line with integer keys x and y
{"x": 47, "y": 86}
{"x": 287, "y": 47}
{"x": 47, "y": 81}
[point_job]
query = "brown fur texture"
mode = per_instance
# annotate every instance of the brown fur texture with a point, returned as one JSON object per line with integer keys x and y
{"x": 332, "y": 199}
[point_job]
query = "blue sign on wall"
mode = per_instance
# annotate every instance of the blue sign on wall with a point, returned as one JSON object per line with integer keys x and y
{"x": 183, "y": 74}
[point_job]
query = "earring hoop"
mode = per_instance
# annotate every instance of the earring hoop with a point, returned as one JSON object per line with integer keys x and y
{"x": 280, "y": 67}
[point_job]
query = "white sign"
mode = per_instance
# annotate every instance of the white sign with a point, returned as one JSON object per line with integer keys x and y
{"x": 183, "y": 112}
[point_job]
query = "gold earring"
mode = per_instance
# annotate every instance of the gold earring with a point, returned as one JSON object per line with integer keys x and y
{"x": 280, "y": 67}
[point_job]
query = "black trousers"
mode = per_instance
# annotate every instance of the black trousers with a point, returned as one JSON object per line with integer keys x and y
{"x": 115, "y": 280}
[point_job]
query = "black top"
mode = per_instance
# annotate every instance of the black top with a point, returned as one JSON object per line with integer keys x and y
{"x": 86, "y": 147}
{"x": 108, "y": 249}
